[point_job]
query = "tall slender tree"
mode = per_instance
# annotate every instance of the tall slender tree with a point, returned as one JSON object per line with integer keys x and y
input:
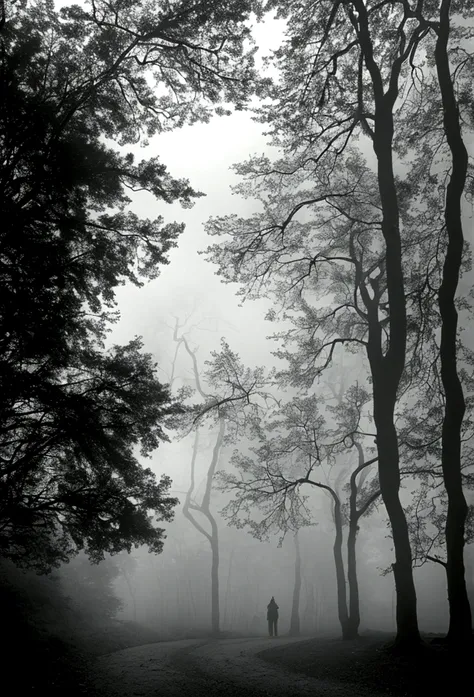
{"x": 343, "y": 65}
{"x": 460, "y": 618}
{"x": 191, "y": 505}
{"x": 224, "y": 386}
{"x": 295, "y": 603}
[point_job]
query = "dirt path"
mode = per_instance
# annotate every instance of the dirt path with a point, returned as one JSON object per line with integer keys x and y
{"x": 205, "y": 669}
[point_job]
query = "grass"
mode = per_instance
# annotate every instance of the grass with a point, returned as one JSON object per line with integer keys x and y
{"x": 371, "y": 663}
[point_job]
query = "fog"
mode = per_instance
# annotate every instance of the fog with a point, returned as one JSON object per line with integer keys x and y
{"x": 273, "y": 437}
{"x": 171, "y": 592}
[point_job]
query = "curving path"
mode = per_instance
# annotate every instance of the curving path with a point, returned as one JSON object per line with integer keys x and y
{"x": 196, "y": 668}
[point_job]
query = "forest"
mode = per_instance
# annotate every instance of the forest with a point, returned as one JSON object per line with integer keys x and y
{"x": 264, "y": 388}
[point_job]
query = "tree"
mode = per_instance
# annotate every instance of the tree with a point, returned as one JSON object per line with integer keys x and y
{"x": 360, "y": 501}
{"x": 270, "y": 477}
{"x": 342, "y": 65}
{"x": 428, "y": 512}
{"x": 71, "y": 477}
{"x": 203, "y": 507}
{"x": 328, "y": 275}
{"x": 74, "y": 85}
{"x": 348, "y": 414}
{"x": 231, "y": 384}
{"x": 190, "y": 503}
{"x": 460, "y": 625}
{"x": 348, "y": 67}
{"x": 295, "y": 605}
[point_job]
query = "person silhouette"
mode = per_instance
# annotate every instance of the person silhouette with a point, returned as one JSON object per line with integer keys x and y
{"x": 272, "y": 617}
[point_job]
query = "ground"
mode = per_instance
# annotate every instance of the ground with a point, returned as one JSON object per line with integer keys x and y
{"x": 49, "y": 647}
{"x": 263, "y": 667}
{"x": 128, "y": 660}
{"x": 228, "y": 667}
{"x": 371, "y": 664}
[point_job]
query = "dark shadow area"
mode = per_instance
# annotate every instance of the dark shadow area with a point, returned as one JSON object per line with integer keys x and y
{"x": 48, "y": 643}
{"x": 371, "y": 663}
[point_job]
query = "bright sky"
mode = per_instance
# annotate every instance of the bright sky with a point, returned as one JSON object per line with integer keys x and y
{"x": 203, "y": 153}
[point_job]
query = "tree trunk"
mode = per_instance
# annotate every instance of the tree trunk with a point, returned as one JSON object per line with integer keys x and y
{"x": 386, "y": 370}
{"x": 295, "y": 607}
{"x": 204, "y": 508}
{"x": 460, "y": 621}
{"x": 389, "y": 476}
{"x": 355, "y": 514}
{"x": 212, "y": 537}
{"x": 317, "y": 611}
{"x": 215, "y": 612}
{"x": 193, "y": 604}
{"x": 309, "y": 611}
{"x": 227, "y": 590}
{"x": 338, "y": 561}
{"x": 354, "y": 610}
{"x": 340, "y": 575}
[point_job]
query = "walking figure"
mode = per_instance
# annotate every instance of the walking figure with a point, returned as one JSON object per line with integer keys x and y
{"x": 272, "y": 617}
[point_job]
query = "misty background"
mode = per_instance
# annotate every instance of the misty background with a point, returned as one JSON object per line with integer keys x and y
{"x": 170, "y": 593}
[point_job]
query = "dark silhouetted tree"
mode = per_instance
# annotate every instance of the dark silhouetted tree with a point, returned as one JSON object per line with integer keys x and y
{"x": 75, "y": 84}
{"x": 349, "y": 70}
{"x": 342, "y": 64}
{"x": 460, "y": 618}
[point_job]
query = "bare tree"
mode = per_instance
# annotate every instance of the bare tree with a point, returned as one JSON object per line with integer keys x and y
{"x": 191, "y": 505}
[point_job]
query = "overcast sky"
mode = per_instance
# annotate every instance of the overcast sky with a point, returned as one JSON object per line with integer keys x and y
{"x": 202, "y": 153}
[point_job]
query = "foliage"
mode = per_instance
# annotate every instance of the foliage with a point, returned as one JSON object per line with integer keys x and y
{"x": 76, "y": 83}
{"x": 240, "y": 394}
{"x": 355, "y": 256}
{"x": 297, "y": 445}
{"x": 70, "y": 473}
{"x": 232, "y": 397}
{"x": 316, "y": 249}
{"x": 229, "y": 390}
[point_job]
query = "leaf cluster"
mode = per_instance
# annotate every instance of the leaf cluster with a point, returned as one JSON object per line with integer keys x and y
{"x": 74, "y": 84}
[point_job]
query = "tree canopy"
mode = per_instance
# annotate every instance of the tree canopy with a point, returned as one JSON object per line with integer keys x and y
{"x": 75, "y": 84}
{"x": 358, "y": 238}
